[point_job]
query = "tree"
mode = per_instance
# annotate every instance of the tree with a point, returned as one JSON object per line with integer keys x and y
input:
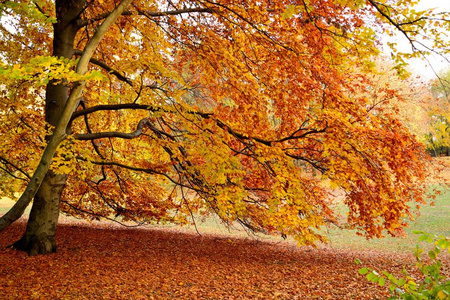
{"x": 158, "y": 111}
{"x": 409, "y": 98}
{"x": 439, "y": 134}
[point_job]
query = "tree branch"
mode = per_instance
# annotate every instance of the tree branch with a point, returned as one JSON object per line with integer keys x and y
{"x": 101, "y": 135}
{"x": 151, "y": 14}
{"x": 102, "y": 216}
{"x": 104, "y": 107}
{"x": 5, "y": 161}
{"x": 395, "y": 24}
{"x": 88, "y": 127}
{"x": 104, "y": 66}
{"x": 117, "y": 134}
{"x": 130, "y": 106}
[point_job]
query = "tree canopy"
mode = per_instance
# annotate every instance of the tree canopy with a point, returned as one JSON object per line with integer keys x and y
{"x": 251, "y": 110}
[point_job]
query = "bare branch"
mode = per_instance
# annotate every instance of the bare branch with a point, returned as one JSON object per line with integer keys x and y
{"x": 86, "y": 122}
{"x": 102, "y": 216}
{"x": 41, "y": 10}
{"x": 104, "y": 107}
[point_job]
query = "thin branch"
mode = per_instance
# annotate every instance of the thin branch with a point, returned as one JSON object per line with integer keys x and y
{"x": 5, "y": 161}
{"x": 190, "y": 211}
{"x": 152, "y": 14}
{"x": 395, "y": 24}
{"x": 41, "y": 10}
{"x": 102, "y": 216}
{"x": 107, "y": 68}
{"x": 86, "y": 121}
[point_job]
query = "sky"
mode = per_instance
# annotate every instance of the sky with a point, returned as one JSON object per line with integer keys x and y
{"x": 421, "y": 67}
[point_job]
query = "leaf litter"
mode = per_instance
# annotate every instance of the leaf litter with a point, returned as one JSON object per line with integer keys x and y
{"x": 110, "y": 262}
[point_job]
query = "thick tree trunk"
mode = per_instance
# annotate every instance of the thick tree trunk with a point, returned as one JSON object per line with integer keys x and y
{"x": 39, "y": 237}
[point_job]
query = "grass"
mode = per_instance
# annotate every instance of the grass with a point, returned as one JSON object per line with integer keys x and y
{"x": 7, "y": 203}
{"x": 434, "y": 219}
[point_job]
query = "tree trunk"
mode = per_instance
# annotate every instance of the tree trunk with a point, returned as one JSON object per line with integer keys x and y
{"x": 39, "y": 237}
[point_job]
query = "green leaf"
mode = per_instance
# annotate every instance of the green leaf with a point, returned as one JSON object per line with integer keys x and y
{"x": 372, "y": 277}
{"x": 444, "y": 243}
{"x": 381, "y": 281}
{"x": 423, "y": 238}
{"x": 391, "y": 277}
{"x": 363, "y": 271}
{"x": 419, "y": 232}
{"x": 432, "y": 255}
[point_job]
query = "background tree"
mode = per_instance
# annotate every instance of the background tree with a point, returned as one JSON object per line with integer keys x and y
{"x": 409, "y": 98}
{"x": 198, "y": 107}
{"x": 438, "y": 139}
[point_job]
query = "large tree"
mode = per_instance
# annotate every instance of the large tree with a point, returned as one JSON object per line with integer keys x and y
{"x": 159, "y": 111}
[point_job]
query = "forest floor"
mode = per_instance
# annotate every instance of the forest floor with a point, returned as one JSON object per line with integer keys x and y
{"x": 105, "y": 261}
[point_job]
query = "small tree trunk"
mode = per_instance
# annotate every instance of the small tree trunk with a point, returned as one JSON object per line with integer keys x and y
{"x": 39, "y": 237}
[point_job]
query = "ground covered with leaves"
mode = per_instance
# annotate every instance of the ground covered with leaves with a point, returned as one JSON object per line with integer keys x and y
{"x": 105, "y": 261}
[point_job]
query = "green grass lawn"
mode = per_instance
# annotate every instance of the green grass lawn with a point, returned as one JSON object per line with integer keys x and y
{"x": 6, "y": 204}
{"x": 433, "y": 219}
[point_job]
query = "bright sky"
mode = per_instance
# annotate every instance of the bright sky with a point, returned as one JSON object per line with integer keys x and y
{"x": 437, "y": 63}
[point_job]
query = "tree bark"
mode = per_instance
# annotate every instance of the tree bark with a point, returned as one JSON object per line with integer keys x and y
{"x": 39, "y": 237}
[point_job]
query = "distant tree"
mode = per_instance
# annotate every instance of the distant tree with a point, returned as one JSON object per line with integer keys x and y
{"x": 438, "y": 138}
{"x": 157, "y": 111}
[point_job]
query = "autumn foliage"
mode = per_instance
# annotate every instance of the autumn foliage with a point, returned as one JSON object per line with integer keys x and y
{"x": 251, "y": 111}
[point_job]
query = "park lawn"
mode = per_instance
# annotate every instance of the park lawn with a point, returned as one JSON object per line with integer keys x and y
{"x": 430, "y": 218}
